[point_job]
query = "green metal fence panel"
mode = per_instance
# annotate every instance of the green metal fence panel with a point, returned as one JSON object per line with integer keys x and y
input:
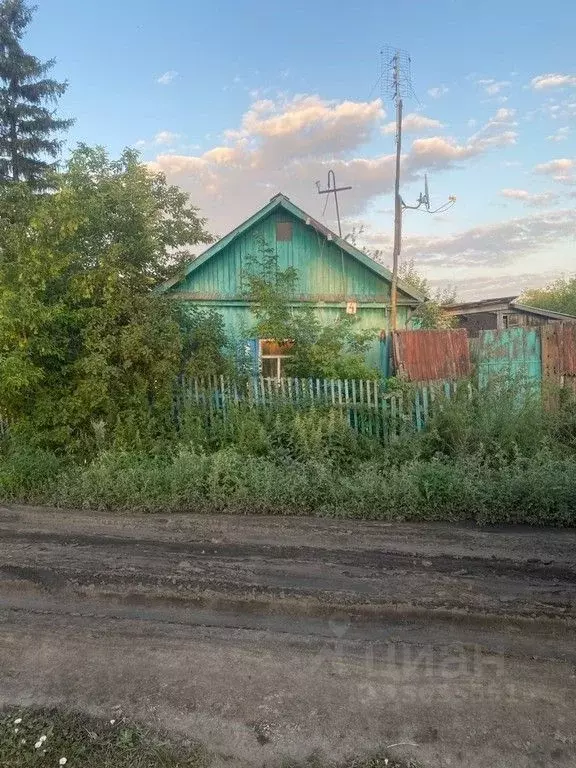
{"x": 512, "y": 355}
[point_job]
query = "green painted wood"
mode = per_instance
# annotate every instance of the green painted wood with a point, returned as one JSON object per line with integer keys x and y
{"x": 329, "y": 275}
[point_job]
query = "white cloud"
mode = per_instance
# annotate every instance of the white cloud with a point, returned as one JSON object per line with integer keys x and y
{"x": 488, "y": 246}
{"x": 288, "y": 144}
{"x": 535, "y": 200}
{"x": 562, "y": 170}
{"x": 560, "y": 135}
{"x": 493, "y": 87}
{"x": 414, "y": 123}
{"x": 140, "y": 143}
{"x": 552, "y": 80}
{"x": 437, "y": 92}
{"x": 305, "y": 124}
{"x": 167, "y": 77}
{"x": 438, "y": 151}
{"x": 166, "y": 137}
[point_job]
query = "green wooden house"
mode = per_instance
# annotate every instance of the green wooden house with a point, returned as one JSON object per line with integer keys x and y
{"x": 333, "y": 277}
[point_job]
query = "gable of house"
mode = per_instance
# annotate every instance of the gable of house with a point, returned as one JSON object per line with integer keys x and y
{"x": 329, "y": 269}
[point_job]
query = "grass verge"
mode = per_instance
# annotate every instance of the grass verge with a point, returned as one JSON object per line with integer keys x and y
{"x": 51, "y": 738}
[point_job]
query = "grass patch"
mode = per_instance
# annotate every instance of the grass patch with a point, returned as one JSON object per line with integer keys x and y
{"x": 51, "y": 738}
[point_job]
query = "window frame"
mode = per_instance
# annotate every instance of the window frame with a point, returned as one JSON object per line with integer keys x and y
{"x": 273, "y": 356}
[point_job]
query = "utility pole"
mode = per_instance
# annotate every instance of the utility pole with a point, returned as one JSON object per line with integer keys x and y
{"x": 396, "y": 83}
{"x": 332, "y": 189}
{"x": 397, "y": 198}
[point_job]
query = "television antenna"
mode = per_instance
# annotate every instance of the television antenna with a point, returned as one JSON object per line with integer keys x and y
{"x": 396, "y": 83}
{"x": 332, "y": 189}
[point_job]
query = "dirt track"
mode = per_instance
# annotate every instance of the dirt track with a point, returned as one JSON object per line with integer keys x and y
{"x": 268, "y": 637}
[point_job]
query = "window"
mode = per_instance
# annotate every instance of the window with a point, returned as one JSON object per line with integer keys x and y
{"x": 512, "y": 321}
{"x": 283, "y": 231}
{"x": 273, "y": 356}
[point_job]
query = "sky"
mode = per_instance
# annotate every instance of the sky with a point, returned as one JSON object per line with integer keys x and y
{"x": 236, "y": 100}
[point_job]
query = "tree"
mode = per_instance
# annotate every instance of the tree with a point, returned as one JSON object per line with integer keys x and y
{"x": 558, "y": 296}
{"x": 83, "y": 338}
{"x": 27, "y": 125}
{"x": 316, "y": 350}
{"x": 429, "y": 314}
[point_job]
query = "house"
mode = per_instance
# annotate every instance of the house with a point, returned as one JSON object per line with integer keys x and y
{"x": 333, "y": 277}
{"x": 503, "y": 312}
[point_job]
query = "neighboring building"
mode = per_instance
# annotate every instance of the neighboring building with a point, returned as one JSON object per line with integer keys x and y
{"x": 333, "y": 276}
{"x": 504, "y": 312}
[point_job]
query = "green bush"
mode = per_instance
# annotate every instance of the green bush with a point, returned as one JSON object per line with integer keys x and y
{"x": 498, "y": 459}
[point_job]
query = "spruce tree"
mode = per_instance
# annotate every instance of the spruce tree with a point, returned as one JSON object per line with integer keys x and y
{"x": 28, "y": 127}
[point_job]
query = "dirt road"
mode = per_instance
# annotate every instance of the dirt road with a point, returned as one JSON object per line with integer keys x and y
{"x": 268, "y": 637}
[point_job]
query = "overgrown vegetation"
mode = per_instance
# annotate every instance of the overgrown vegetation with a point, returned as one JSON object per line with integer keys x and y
{"x": 487, "y": 456}
{"x": 83, "y": 340}
{"x": 558, "y": 296}
{"x": 336, "y": 350}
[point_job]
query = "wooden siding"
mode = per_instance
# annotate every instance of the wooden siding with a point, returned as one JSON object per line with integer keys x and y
{"x": 319, "y": 263}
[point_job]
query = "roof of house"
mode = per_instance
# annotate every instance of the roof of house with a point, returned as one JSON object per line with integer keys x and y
{"x": 481, "y": 304}
{"x": 281, "y": 201}
{"x": 544, "y": 312}
{"x": 484, "y": 305}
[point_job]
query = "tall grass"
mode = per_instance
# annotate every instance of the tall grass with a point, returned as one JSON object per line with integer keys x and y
{"x": 487, "y": 456}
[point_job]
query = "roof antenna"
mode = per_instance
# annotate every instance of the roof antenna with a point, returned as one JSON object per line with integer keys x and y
{"x": 424, "y": 200}
{"x": 332, "y": 189}
{"x": 396, "y": 83}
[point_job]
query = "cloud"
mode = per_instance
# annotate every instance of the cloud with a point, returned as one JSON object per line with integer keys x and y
{"x": 437, "y": 92}
{"x": 167, "y": 77}
{"x": 488, "y": 246}
{"x": 562, "y": 170}
{"x": 289, "y": 144}
{"x": 535, "y": 200}
{"x": 306, "y": 124}
{"x": 560, "y": 135}
{"x": 438, "y": 151}
{"x": 552, "y": 80}
{"x": 493, "y": 87}
{"x": 414, "y": 123}
{"x": 166, "y": 137}
{"x": 140, "y": 143}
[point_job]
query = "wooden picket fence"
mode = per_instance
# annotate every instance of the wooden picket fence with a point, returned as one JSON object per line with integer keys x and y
{"x": 365, "y": 405}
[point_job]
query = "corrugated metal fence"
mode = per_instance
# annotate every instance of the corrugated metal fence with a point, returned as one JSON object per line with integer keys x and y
{"x": 512, "y": 355}
{"x": 431, "y": 355}
{"x": 559, "y": 355}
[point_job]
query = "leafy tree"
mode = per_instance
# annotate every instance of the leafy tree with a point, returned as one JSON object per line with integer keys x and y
{"x": 83, "y": 339}
{"x": 205, "y": 342}
{"x": 27, "y": 125}
{"x": 430, "y": 314}
{"x": 332, "y": 351}
{"x": 558, "y": 296}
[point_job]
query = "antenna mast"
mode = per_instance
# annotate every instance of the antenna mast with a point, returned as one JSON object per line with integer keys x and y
{"x": 396, "y": 81}
{"x": 333, "y": 189}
